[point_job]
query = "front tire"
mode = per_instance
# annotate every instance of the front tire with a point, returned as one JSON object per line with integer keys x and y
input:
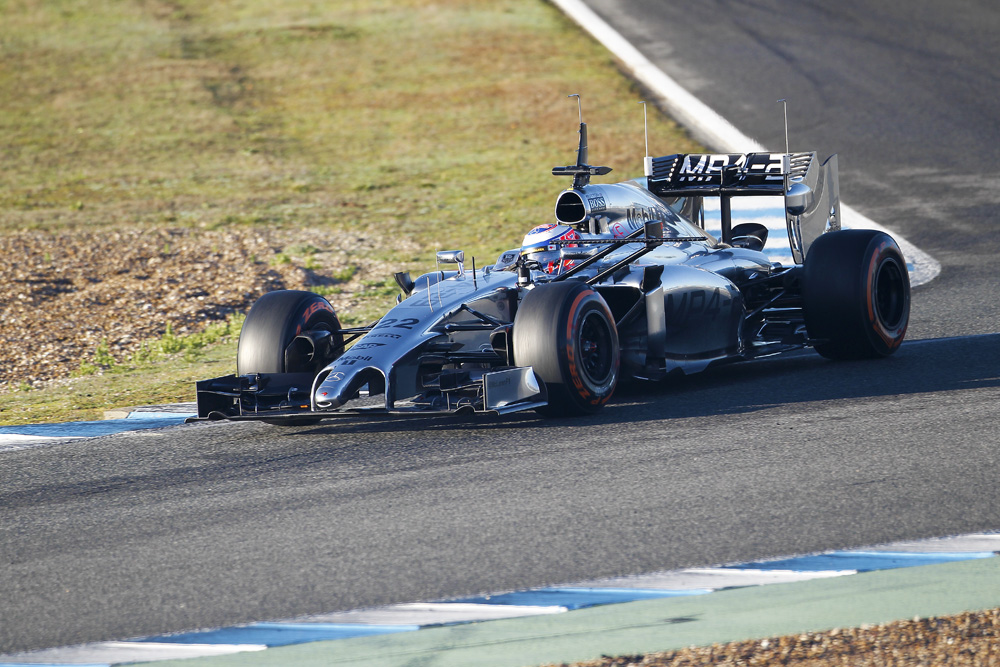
{"x": 566, "y": 333}
{"x": 273, "y": 323}
{"x": 268, "y": 339}
{"x": 856, "y": 294}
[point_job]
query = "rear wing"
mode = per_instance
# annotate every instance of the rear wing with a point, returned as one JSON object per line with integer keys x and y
{"x": 811, "y": 190}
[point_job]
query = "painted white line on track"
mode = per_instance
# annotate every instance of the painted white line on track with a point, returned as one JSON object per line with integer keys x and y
{"x": 427, "y": 614}
{"x": 116, "y": 653}
{"x": 710, "y": 128}
{"x": 714, "y": 578}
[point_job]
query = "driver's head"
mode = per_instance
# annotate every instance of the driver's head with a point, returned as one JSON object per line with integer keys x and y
{"x": 540, "y": 245}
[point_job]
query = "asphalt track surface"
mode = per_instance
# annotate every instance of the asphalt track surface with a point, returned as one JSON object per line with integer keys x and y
{"x": 210, "y": 525}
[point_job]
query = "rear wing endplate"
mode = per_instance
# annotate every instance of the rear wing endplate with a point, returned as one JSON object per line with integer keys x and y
{"x": 811, "y": 190}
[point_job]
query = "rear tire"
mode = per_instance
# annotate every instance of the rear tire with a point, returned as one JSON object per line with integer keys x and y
{"x": 272, "y": 324}
{"x": 566, "y": 333}
{"x": 856, "y": 294}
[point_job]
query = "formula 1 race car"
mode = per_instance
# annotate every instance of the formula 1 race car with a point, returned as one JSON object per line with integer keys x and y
{"x": 625, "y": 283}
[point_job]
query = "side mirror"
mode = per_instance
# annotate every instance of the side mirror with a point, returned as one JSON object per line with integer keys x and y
{"x": 798, "y": 198}
{"x": 452, "y": 257}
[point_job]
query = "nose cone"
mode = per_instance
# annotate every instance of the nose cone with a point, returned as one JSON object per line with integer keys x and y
{"x": 341, "y": 386}
{"x": 326, "y": 398}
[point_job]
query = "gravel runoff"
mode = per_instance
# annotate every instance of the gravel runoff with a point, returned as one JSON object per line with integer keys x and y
{"x": 967, "y": 639}
{"x": 63, "y": 295}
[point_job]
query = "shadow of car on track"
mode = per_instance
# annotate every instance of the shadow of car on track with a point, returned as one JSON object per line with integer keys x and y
{"x": 922, "y": 366}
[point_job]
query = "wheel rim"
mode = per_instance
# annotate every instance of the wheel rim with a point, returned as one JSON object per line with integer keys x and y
{"x": 596, "y": 349}
{"x": 889, "y": 288}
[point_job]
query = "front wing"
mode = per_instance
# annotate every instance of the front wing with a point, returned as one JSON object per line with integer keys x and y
{"x": 287, "y": 397}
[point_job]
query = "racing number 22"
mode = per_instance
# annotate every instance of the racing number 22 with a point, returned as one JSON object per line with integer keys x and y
{"x": 405, "y": 323}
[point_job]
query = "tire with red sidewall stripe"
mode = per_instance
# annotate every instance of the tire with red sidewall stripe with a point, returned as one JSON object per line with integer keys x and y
{"x": 273, "y": 323}
{"x": 856, "y": 294}
{"x": 566, "y": 333}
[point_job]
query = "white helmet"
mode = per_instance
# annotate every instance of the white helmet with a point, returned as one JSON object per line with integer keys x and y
{"x": 540, "y": 245}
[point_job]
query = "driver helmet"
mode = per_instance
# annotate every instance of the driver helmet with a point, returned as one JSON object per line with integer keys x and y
{"x": 540, "y": 245}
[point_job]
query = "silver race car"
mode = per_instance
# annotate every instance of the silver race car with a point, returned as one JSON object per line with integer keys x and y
{"x": 624, "y": 283}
